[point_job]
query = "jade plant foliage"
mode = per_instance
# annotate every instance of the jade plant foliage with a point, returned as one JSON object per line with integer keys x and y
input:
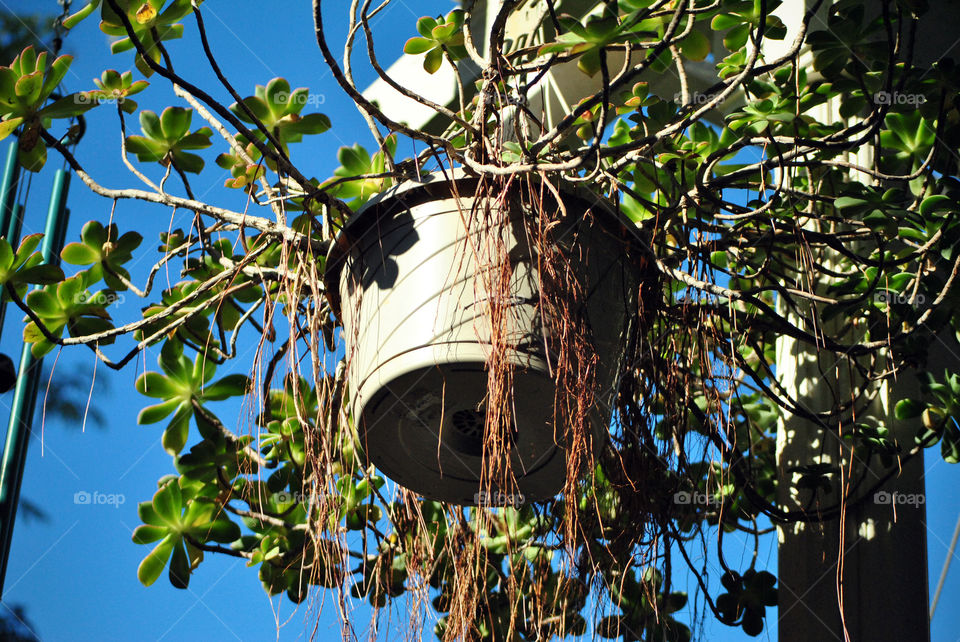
{"x": 807, "y": 197}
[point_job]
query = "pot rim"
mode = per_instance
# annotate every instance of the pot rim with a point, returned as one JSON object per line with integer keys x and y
{"x": 435, "y": 186}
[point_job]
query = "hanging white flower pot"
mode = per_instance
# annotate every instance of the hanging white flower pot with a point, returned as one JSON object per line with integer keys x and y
{"x": 412, "y": 273}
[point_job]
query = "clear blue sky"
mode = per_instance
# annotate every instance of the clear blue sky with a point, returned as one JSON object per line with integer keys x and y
{"x": 76, "y": 573}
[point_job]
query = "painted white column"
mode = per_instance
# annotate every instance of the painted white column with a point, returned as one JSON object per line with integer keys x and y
{"x": 873, "y": 562}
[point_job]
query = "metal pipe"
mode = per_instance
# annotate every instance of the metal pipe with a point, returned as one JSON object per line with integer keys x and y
{"x": 14, "y": 225}
{"x": 9, "y": 210}
{"x": 8, "y": 187}
{"x": 28, "y": 381}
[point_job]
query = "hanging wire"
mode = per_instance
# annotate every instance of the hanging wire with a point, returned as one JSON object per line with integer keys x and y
{"x": 24, "y": 193}
{"x": 58, "y": 28}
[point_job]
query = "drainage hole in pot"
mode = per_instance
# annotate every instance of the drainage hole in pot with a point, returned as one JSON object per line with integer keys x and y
{"x": 467, "y": 434}
{"x": 468, "y": 423}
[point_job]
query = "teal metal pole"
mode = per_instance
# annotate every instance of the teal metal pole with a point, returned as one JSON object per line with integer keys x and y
{"x": 8, "y": 187}
{"x": 28, "y": 381}
{"x": 10, "y": 215}
{"x": 14, "y": 224}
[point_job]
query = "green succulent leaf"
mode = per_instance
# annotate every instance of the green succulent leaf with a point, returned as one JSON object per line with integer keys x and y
{"x": 277, "y": 108}
{"x": 150, "y": 22}
{"x": 105, "y": 250}
{"x": 182, "y": 386}
{"x": 167, "y": 137}
{"x": 153, "y": 564}
{"x": 67, "y": 305}
{"x": 438, "y": 37}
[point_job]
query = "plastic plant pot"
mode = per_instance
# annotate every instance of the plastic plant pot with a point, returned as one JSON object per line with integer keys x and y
{"x": 408, "y": 281}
